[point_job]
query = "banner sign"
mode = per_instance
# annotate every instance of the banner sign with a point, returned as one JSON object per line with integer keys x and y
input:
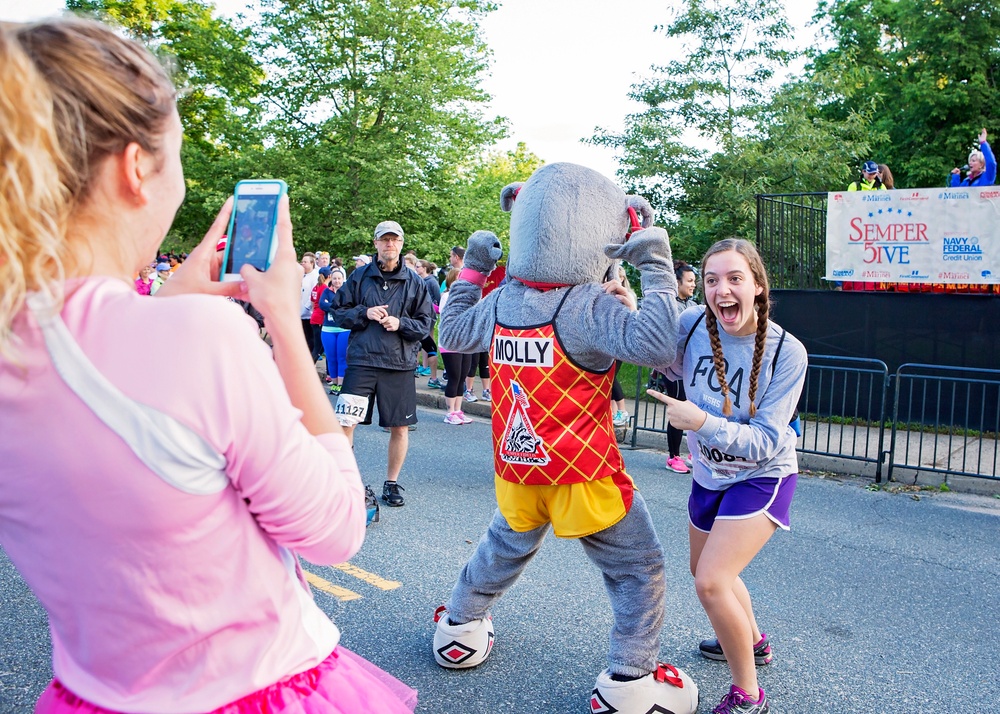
{"x": 928, "y": 235}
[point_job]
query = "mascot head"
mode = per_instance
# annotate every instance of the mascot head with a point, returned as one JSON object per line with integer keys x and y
{"x": 561, "y": 219}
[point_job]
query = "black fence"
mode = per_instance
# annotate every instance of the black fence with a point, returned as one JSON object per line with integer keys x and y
{"x": 957, "y": 411}
{"x": 791, "y": 238}
{"x": 844, "y": 410}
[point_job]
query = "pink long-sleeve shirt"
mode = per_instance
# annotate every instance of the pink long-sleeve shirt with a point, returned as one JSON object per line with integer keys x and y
{"x": 159, "y": 536}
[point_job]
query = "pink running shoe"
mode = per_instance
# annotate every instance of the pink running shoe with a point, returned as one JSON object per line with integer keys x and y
{"x": 454, "y": 418}
{"x": 465, "y": 419}
{"x": 677, "y": 465}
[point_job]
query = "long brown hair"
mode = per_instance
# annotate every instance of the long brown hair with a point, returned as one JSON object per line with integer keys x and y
{"x": 72, "y": 93}
{"x": 762, "y": 304}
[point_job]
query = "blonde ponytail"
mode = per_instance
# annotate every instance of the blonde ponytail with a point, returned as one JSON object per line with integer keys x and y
{"x": 34, "y": 203}
{"x": 72, "y": 93}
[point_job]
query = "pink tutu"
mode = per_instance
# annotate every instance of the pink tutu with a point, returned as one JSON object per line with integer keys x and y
{"x": 343, "y": 683}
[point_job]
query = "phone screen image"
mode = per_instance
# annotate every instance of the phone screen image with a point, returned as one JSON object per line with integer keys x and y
{"x": 254, "y": 218}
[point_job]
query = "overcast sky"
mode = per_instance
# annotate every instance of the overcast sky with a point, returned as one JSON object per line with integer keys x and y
{"x": 560, "y": 67}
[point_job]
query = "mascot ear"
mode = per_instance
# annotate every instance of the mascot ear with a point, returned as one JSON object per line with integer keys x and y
{"x": 508, "y": 195}
{"x": 642, "y": 207}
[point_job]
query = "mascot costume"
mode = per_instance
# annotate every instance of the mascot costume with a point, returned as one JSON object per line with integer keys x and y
{"x": 553, "y": 332}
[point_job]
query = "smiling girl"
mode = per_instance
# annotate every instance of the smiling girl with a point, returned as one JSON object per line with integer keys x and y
{"x": 743, "y": 375}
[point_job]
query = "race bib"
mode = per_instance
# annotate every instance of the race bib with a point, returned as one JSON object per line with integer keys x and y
{"x": 724, "y": 467}
{"x": 351, "y": 409}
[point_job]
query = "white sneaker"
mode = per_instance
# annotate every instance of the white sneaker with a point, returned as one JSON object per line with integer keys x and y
{"x": 470, "y": 396}
{"x": 454, "y": 418}
{"x": 667, "y": 689}
{"x": 620, "y": 418}
{"x": 462, "y": 646}
{"x": 486, "y": 396}
{"x": 465, "y": 419}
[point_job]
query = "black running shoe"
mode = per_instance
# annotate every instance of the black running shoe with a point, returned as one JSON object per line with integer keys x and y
{"x": 391, "y": 493}
{"x": 761, "y": 652}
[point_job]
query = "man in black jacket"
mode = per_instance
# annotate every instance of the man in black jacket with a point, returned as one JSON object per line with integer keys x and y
{"x": 388, "y": 311}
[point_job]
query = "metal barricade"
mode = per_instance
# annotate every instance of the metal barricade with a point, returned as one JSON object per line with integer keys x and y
{"x": 843, "y": 409}
{"x": 946, "y": 420}
{"x": 649, "y": 414}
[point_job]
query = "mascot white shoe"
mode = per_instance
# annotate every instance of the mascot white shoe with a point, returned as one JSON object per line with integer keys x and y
{"x": 667, "y": 690}
{"x": 462, "y": 646}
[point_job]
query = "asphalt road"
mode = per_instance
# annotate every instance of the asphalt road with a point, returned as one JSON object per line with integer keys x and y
{"x": 876, "y": 601}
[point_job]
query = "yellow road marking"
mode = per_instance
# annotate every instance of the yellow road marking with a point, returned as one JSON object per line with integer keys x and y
{"x": 369, "y": 578}
{"x": 342, "y": 594}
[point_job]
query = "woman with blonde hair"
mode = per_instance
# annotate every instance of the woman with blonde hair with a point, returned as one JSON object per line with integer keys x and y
{"x": 162, "y": 535}
{"x": 982, "y": 167}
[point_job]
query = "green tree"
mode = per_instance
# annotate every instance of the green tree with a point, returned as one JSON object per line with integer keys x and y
{"x": 371, "y": 104}
{"x": 717, "y": 129}
{"x": 218, "y": 80}
{"x": 929, "y": 68}
{"x": 702, "y": 113}
{"x": 470, "y": 199}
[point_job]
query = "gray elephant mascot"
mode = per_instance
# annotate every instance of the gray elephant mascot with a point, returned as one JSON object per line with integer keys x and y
{"x": 553, "y": 332}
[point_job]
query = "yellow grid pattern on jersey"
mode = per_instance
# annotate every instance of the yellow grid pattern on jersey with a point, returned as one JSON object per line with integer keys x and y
{"x": 574, "y": 458}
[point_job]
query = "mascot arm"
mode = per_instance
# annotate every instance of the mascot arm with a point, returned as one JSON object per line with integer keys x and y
{"x": 467, "y": 320}
{"x": 649, "y": 251}
{"x": 482, "y": 252}
{"x": 599, "y": 323}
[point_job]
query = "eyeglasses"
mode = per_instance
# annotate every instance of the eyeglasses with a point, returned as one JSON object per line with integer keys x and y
{"x": 388, "y": 239}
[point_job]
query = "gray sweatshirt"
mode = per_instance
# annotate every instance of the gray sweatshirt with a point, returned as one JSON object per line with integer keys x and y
{"x": 593, "y": 327}
{"x": 726, "y": 450}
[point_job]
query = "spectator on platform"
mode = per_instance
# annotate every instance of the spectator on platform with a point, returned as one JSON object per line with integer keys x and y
{"x": 322, "y": 259}
{"x": 982, "y": 169}
{"x": 158, "y": 527}
{"x": 869, "y": 180}
{"x": 885, "y": 175}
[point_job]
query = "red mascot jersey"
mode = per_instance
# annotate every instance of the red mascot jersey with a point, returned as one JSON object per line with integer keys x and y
{"x": 552, "y": 420}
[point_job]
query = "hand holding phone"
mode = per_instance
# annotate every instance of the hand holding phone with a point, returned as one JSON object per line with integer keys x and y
{"x": 252, "y": 237}
{"x": 198, "y": 275}
{"x": 275, "y": 292}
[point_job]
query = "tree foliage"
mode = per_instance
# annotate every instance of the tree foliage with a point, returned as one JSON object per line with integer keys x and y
{"x": 371, "y": 105}
{"x": 368, "y": 109}
{"x": 717, "y": 129}
{"x": 930, "y": 69}
{"x": 218, "y": 80}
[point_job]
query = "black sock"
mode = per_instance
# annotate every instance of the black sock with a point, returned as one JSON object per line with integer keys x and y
{"x": 625, "y": 678}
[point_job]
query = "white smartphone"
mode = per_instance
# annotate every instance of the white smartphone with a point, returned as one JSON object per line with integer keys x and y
{"x": 253, "y": 227}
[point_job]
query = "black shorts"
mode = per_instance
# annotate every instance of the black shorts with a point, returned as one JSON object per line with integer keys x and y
{"x": 394, "y": 390}
{"x": 429, "y": 346}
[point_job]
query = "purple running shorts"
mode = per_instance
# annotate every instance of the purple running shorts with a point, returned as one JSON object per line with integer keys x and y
{"x": 770, "y": 496}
